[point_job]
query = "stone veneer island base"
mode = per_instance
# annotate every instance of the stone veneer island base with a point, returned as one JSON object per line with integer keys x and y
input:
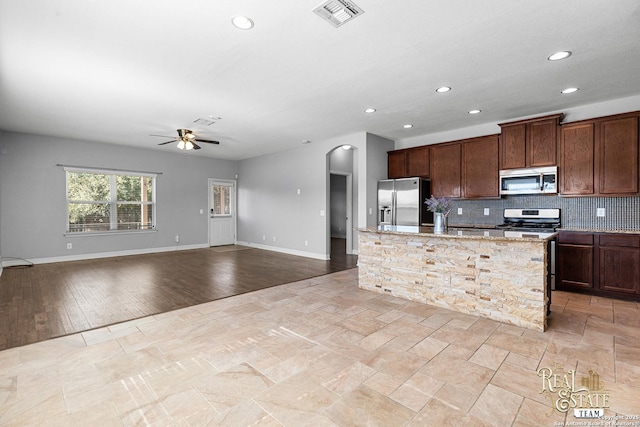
{"x": 474, "y": 272}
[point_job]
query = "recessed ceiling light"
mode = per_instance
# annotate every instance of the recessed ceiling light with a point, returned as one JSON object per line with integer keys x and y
{"x": 570, "y": 90}
{"x": 474, "y": 111}
{"x": 443, "y": 89}
{"x": 559, "y": 55}
{"x": 370, "y": 110}
{"x": 408, "y": 126}
{"x": 242, "y": 22}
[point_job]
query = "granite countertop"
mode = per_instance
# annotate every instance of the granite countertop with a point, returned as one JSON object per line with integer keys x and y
{"x": 599, "y": 230}
{"x": 455, "y": 232}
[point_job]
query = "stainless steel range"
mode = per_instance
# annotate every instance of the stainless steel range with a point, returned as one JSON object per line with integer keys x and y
{"x": 540, "y": 223}
{"x": 530, "y": 222}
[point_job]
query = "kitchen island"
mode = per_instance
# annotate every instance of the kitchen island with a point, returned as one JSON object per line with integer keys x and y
{"x": 478, "y": 272}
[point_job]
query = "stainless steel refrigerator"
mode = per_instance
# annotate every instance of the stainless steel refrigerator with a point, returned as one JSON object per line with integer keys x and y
{"x": 401, "y": 201}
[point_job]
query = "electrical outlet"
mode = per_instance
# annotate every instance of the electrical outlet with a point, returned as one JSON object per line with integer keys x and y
{"x": 264, "y": 237}
{"x": 370, "y": 211}
{"x": 306, "y": 243}
{"x": 459, "y": 211}
{"x": 201, "y": 211}
{"x": 177, "y": 238}
{"x": 298, "y": 191}
{"x": 601, "y": 212}
{"x": 322, "y": 213}
{"x": 69, "y": 245}
{"x": 274, "y": 238}
{"x": 486, "y": 211}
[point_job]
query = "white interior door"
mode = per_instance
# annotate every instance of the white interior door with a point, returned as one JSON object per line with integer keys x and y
{"x": 222, "y": 212}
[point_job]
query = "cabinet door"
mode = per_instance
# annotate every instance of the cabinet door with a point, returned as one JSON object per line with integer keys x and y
{"x": 577, "y": 156}
{"x": 513, "y": 146}
{"x": 620, "y": 263}
{"x": 396, "y": 164}
{"x": 446, "y": 170}
{"x": 620, "y": 269}
{"x": 480, "y": 168}
{"x": 541, "y": 143}
{"x": 575, "y": 260}
{"x": 575, "y": 266}
{"x": 619, "y": 156}
{"x": 418, "y": 162}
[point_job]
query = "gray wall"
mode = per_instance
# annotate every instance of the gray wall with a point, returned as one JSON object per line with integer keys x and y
{"x": 377, "y": 148}
{"x": 269, "y": 206}
{"x": 33, "y": 210}
{"x": 32, "y": 196}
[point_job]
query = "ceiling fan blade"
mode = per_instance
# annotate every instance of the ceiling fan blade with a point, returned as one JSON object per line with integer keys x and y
{"x": 162, "y": 136}
{"x": 195, "y": 146}
{"x": 168, "y": 142}
{"x": 207, "y": 141}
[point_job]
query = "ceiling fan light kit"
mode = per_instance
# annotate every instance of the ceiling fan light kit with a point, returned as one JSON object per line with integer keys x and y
{"x": 187, "y": 140}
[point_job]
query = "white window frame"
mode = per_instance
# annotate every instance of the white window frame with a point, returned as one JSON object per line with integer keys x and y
{"x": 113, "y": 204}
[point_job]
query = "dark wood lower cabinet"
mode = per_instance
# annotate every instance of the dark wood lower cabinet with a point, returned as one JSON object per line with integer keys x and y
{"x": 575, "y": 261}
{"x": 605, "y": 264}
{"x": 619, "y": 263}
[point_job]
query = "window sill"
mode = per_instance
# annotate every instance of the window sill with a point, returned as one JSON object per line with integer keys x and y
{"x": 108, "y": 233}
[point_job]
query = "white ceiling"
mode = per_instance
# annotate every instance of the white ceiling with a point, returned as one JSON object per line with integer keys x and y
{"x": 116, "y": 71}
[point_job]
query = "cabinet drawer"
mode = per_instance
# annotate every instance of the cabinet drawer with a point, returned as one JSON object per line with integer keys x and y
{"x": 575, "y": 238}
{"x": 620, "y": 240}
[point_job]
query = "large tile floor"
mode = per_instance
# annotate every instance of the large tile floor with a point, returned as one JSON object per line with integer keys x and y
{"x": 321, "y": 352}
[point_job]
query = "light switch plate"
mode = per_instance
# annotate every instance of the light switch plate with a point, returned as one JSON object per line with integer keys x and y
{"x": 486, "y": 211}
{"x": 601, "y": 212}
{"x": 459, "y": 211}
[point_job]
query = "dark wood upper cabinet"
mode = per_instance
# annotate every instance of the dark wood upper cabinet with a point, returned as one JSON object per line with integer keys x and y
{"x": 480, "y": 167}
{"x": 418, "y": 162}
{"x": 600, "y": 157}
{"x": 408, "y": 163}
{"x": 446, "y": 177}
{"x": 577, "y": 159}
{"x": 512, "y": 146}
{"x": 619, "y": 156}
{"x": 397, "y": 164}
{"x": 529, "y": 143}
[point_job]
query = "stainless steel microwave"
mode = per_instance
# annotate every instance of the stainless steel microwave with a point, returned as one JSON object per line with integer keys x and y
{"x": 529, "y": 181}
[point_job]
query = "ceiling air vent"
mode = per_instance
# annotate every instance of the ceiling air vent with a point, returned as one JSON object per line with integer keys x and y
{"x": 337, "y": 12}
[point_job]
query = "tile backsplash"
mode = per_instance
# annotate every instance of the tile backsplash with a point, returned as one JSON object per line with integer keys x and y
{"x": 620, "y": 213}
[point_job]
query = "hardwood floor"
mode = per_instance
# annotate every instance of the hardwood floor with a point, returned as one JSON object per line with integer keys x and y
{"x": 51, "y": 300}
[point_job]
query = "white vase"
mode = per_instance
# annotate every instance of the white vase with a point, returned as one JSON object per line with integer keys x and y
{"x": 439, "y": 223}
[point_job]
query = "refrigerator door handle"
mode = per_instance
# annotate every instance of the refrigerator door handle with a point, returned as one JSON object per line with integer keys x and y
{"x": 394, "y": 208}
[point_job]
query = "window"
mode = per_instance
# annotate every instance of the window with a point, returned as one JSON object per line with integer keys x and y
{"x": 222, "y": 199}
{"x": 99, "y": 201}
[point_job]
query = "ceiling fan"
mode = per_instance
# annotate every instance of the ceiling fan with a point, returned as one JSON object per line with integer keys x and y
{"x": 187, "y": 140}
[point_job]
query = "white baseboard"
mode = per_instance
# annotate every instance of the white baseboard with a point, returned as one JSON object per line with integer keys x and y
{"x": 79, "y": 257}
{"x": 13, "y": 262}
{"x": 285, "y": 250}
